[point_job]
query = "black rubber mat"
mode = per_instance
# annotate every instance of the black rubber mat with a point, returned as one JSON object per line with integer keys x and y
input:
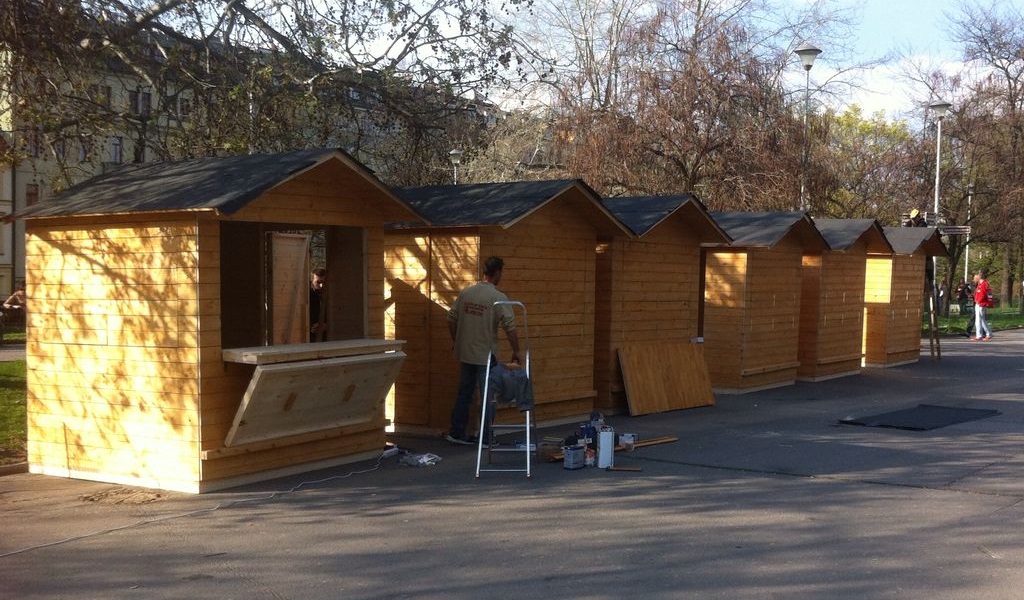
{"x": 922, "y": 418}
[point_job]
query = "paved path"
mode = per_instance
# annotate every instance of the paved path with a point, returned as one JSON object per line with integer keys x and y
{"x": 12, "y": 351}
{"x": 764, "y": 496}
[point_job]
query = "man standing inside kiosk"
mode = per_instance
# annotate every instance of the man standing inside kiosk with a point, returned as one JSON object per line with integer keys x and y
{"x": 473, "y": 322}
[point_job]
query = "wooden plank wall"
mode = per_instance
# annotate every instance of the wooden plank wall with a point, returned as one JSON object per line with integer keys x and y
{"x": 832, "y": 314}
{"x": 648, "y": 290}
{"x": 224, "y": 384}
{"x": 751, "y": 318}
{"x": 726, "y": 318}
{"x": 426, "y": 271}
{"x": 878, "y": 295}
{"x": 113, "y": 349}
{"x": 772, "y": 341}
{"x": 551, "y": 267}
{"x": 908, "y": 278}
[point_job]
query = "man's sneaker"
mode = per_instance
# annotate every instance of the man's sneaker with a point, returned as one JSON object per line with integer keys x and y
{"x": 987, "y": 338}
{"x": 464, "y": 441}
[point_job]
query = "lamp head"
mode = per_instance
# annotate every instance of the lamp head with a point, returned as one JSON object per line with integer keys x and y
{"x": 455, "y": 157}
{"x": 940, "y": 108}
{"x": 807, "y": 53}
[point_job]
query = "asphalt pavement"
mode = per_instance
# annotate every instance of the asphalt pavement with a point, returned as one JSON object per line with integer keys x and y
{"x": 765, "y": 495}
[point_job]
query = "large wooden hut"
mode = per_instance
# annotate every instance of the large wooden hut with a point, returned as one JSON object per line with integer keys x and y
{"x": 895, "y": 293}
{"x": 169, "y": 319}
{"x": 832, "y": 298}
{"x": 752, "y": 298}
{"x": 547, "y": 232}
{"x": 650, "y": 288}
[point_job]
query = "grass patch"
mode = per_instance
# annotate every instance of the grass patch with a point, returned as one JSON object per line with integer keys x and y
{"x": 998, "y": 319}
{"x": 13, "y": 413}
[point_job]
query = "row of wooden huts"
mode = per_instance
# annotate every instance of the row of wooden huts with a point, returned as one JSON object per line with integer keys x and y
{"x": 163, "y": 350}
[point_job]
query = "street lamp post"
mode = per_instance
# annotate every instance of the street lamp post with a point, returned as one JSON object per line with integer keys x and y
{"x": 455, "y": 157}
{"x": 940, "y": 107}
{"x": 807, "y": 53}
{"x": 967, "y": 241}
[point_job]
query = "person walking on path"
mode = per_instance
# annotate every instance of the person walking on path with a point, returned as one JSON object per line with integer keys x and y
{"x": 473, "y": 322}
{"x": 982, "y": 302}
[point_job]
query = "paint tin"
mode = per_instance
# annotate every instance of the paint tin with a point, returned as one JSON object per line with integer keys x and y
{"x": 574, "y": 457}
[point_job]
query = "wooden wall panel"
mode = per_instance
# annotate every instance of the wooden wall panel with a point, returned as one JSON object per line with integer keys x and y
{"x": 832, "y": 314}
{"x": 650, "y": 292}
{"x": 550, "y": 263}
{"x": 752, "y": 314}
{"x": 894, "y": 292}
{"x": 725, "y": 315}
{"x": 114, "y": 331}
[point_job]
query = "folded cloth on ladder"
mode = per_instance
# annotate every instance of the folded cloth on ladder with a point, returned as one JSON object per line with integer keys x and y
{"x": 511, "y": 386}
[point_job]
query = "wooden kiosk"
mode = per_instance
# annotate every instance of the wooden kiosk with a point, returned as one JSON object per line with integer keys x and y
{"x": 547, "y": 232}
{"x": 166, "y": 339}
{"x": 895, "y": 294}
{"x": 650, "y": 301}
{"x": 752, "y": 299}
{"x": 832, "y": 298}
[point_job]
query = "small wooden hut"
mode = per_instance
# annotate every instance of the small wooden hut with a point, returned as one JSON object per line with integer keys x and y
{"x": 894, "y": 295}
{"x": 752, "y": 298}
{"x": 650, "y": 288}
{"x": 547, "y": 232}
{"x": 832, "y": 298}
{"x": 169, "y": 319}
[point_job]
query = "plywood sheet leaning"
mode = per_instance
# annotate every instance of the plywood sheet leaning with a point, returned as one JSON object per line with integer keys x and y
{"x": 663, "y": 376}
{"x": 295, "y": 398}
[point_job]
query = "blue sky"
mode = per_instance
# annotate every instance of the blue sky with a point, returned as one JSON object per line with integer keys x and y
{"x": 893, "y": 24}
{"x": 915, "y": 27}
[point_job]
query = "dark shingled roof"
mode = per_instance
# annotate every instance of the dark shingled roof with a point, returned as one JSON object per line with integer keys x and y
{"x": 643, "y": 213}
{"x": 223, "y": 184}
{"x": 501, "y": 204}
{"x": 843, "y": 233}
{"x": 765, "y": 228}
{"x": 908, "y": 240}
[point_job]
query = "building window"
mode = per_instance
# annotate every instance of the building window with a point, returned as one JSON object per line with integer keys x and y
{"x": 116, "y": 149}
{"x": 60, "y": 149}
{"x": 184, "y": 107}
{"x": 100, "y": 94}
{"x": 31, "y": 193}
{"x": 139, "y": 102}
{"x": 84, "y": 148}
{"x": 33, "y": 143}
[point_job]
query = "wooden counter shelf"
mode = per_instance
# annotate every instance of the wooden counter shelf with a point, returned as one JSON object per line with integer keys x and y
{"x": 265, "y": 355}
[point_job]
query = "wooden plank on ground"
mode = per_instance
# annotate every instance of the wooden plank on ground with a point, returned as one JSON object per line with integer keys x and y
{"x": 291, "y": 399}
{"x": 665, "y": 439}
{"x": 663, "y": 376}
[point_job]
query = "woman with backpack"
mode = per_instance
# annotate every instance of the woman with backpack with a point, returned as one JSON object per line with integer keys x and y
{"x": 982, "y": 302}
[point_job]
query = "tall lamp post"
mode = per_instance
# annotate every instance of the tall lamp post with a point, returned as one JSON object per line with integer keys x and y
{"x": 807, "y": 53}
{"x": 940, "y": 109}
{"x": 455, "y": 157}
{"x": 967, "y": 241}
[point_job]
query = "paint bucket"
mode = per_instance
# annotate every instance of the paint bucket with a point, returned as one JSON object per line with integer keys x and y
{"x": 574, "y": 457}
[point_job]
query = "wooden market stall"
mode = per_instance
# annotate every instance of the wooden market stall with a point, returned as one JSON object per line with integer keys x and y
{"x": 895, "y": 294}
{"x": 169, "y": 320}
{"x": 547, "y": 233}
{"x": 832, "y": 298}
{"x": 752, "y": 298}
{"x": 650, "y": 296}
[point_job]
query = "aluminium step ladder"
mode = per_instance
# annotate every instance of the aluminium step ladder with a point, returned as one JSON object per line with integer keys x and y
{"x": 489, "y": 405}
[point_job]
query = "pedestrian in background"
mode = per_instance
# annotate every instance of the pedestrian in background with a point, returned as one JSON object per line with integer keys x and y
{"x": 982, "y": 302}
